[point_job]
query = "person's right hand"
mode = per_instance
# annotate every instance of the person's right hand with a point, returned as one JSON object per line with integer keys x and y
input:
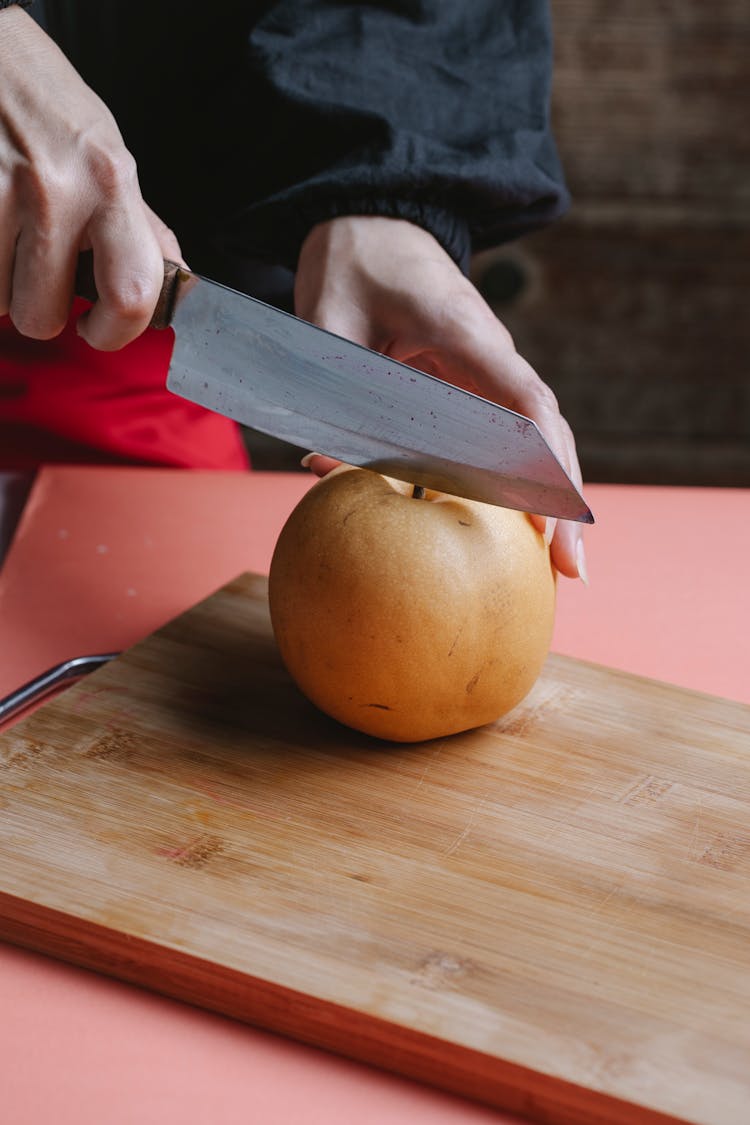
{"x": 67, "y": 183}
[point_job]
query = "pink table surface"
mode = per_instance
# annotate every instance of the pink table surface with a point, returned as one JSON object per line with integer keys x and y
{"x": 104, "y": 556}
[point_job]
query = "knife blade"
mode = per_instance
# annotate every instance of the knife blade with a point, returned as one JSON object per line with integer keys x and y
{"x": 282, "y": 376}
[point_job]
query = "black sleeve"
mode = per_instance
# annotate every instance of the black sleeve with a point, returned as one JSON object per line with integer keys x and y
{"x": 436, "y": 111}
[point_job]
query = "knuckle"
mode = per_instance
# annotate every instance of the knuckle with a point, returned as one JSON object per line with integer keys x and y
{"x": 51, "y": 176}
{"x": 132, "y": 298}
{"x": 112, "y": 169}
{"x": 38, "y": 188}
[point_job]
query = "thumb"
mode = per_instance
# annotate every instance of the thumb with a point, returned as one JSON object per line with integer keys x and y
{"x": 319, "y": 463}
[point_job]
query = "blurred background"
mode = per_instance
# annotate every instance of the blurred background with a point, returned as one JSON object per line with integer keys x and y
{"x": 634, "y": 307}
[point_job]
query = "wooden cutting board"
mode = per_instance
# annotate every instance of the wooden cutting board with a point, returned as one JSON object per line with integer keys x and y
{"x": 551, "y": 914}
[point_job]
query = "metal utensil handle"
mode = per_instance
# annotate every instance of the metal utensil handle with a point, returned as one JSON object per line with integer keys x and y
{"x": 42, "y": 685}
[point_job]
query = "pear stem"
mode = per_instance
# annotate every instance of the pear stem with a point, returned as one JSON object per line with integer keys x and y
{"x": 418, "y": 493}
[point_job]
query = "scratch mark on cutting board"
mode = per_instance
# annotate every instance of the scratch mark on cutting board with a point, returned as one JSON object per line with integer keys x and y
{"x": 430, "y": 764}
{"x": 462, "y": 836}
{"x": 623, "y": 905}
{"x": 607, "y": 898}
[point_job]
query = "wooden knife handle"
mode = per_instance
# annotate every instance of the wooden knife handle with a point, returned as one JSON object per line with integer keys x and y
{"x": 85, "y": 286}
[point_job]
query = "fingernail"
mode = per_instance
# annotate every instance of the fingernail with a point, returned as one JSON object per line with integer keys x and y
{"x": 305, "y": 462}
{"x": 549, "y": 530}
{"x": 583, "y": 573}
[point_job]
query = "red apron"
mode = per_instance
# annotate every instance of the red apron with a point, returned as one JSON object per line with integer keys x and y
{"x": 62, "y": 401}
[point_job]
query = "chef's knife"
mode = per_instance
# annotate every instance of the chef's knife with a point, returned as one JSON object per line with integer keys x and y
{"x": 280, "y": 375}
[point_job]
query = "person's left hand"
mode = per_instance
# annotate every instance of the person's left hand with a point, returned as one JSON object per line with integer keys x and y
{"x": 389, "y": 285}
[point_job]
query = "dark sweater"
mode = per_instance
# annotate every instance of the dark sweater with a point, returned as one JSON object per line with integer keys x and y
{"x": 250, "y": 122}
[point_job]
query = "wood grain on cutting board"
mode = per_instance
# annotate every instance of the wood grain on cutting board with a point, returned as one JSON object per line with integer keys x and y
{"x": 550, "y": 914}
